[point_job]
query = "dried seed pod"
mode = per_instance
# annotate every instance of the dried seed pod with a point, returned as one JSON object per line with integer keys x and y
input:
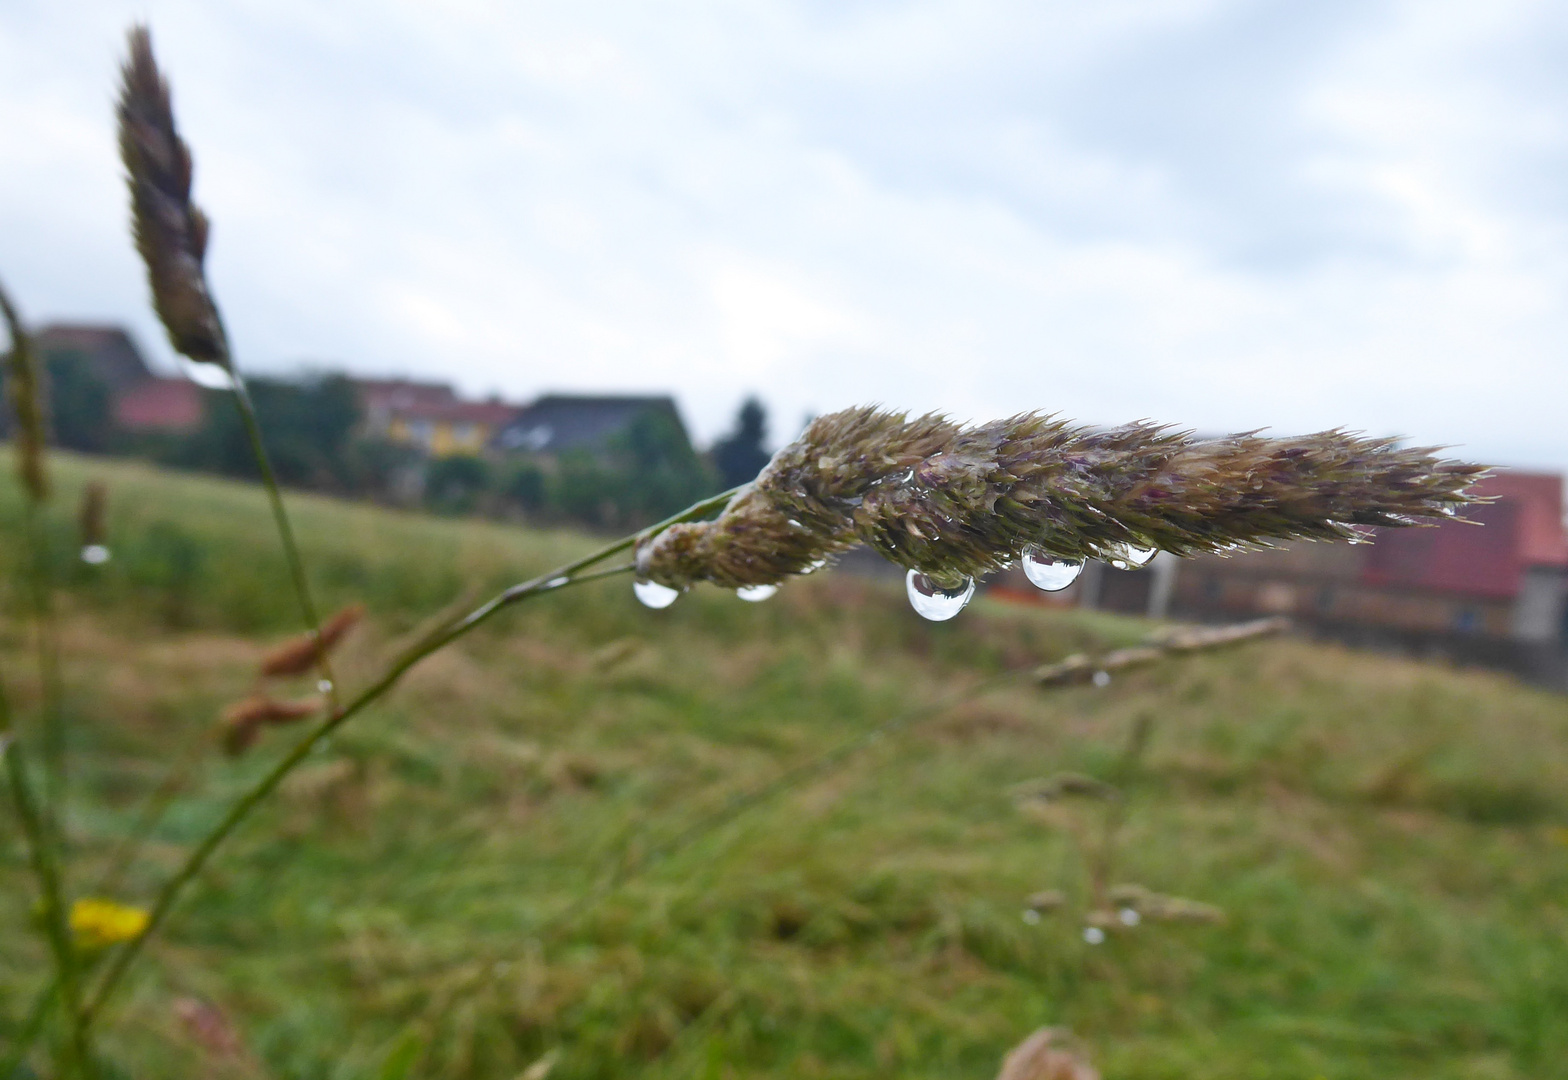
{"x": 1044, "y": 1056}
{"x": 171, "y": 231}
{"x": 955, "y": 503}
{"x": 243, "y": 720}
{"x": 92, "y": 517}
{"x": 301, "y": 653}
{"x": 25, "y": 389}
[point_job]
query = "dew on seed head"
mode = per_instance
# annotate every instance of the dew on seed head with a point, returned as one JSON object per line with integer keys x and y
{"x": 1129, "y": 916}
{"x": 324, "y": 686}
{"x": 95, "y": 554}
{"x": 1128, "y": 557}
{"x": 932, "y": 601}
{"x": 756, "y": 593}
{"x": 1093, "y": 935}
{"x": 1102, "y": 679}
{"x": 654, "y": 595}
{"x": 1031, "y": 916}
{"x": 1049, "y": 573}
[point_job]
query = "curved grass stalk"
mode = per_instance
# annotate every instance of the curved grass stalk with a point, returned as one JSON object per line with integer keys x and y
{"x": 44, "y": 856}
{"x": 561, "y": 577}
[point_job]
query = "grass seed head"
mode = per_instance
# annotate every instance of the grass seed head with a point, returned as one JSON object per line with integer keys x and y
{"x": 243, "y": 720}
{"x": 1043, "y": 1056}
{"x": 25, "y": 390}
{"x": 171, "y": 231}
{"x": 955, "y": 502}
{"x": 92, "y": 516}
{"x": 299, "y": 654}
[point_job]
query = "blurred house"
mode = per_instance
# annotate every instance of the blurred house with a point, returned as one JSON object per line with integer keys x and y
{"x": 430, "y": 417}
{"x": 1491, "y": 590}
{"x": 140, "y": 401}
{"x": 558, "y": 423}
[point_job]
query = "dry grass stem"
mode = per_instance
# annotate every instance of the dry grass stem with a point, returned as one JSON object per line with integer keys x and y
{"x": 171, "y": 231}
{"x": 955, "y": 502}
{"x": 25, "y": 389}
{"x": 301, "y": 653}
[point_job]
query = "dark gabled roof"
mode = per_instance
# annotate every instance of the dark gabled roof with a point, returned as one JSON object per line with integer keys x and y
{"x": 110, "y": 350}
{"x": 561, "y": 422}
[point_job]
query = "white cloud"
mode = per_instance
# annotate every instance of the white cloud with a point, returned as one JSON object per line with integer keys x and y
{"x": 1221, "y": 213}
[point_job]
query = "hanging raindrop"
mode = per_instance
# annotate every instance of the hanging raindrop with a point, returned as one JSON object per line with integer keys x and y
{"x": 1128, "y": 557}
{"x": 933, "y": 602}
{"x": 95, "y": 554}
{"x": 654, "y": 595}
{"x": 756, "y": 593}
{"x": 1049, "y": 573}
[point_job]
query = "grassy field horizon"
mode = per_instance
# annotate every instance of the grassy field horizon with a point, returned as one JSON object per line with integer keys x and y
{"x": 793, "y": 838}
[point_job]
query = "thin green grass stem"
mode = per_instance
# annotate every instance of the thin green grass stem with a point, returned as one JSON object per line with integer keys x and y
{"x": 551, "y": 581}
{"x": 43, "y": 857}
{"x": 280, "y": 518}
{"x": 47, "y": 637}
{"x": 31, "y": 1028}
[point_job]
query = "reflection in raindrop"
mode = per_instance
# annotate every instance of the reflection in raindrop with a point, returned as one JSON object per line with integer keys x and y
{"x": 95, "y": 554}
{"x": 1048, "y": 572}
{"x": 654, "y": 595}
{"x": 756, "y": 593}
{"x": 933, "y": 602}
{"x": 1127, "y": 557}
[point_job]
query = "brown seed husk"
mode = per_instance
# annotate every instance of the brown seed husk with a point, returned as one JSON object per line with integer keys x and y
{"x": 1042, "y": 1056}
{"x": 92, "y": 516}
{"x": 243, "y": 720}
{"x": 25, "y": 391}
{"x": 171, "y": 231}
{"x": 299, "y": 654}
{"x": 956, "y": 502}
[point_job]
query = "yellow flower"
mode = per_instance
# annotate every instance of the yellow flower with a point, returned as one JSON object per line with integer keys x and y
{"x": 97, "y": 924}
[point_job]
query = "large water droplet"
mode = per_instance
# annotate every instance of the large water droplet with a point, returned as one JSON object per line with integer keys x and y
{"x": 1127, "y": 557}
{"x": 933, "y": 602}
{"x": 1048, "y": 572}
{"x": 756, "y": 593}
{"x": 654, "y": 595}
{"x": 95, "y": 554}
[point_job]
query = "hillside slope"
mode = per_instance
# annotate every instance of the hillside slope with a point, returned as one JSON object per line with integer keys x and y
{"x": 579, "y": 833}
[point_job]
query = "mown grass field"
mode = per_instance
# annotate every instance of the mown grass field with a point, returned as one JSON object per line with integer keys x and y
{"x": 537, "y": 845}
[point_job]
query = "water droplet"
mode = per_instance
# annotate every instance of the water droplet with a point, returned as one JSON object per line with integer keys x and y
{"x": 324, "y": 686}
{"x": 95, "y": 554}
{"x": 756, "y": 593}
{"x": 556, "y": 582}
{"x": 933, "y": 602}
{"x": 1102, "y": 679}
{"x": 1129, "y": 916}
{"x": 1128, "y": 557}
{"x": 654, "y": 595}
{"x": 1031, "y": 916}
{"x": 1048, "y": 572}
{"x": 1093, "y": 935}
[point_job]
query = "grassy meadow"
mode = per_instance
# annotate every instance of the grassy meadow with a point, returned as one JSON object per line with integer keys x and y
{"x": 592, "y": 834}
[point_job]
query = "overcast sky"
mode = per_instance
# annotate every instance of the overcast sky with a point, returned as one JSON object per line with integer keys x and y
{"x": 1221, "y": 213}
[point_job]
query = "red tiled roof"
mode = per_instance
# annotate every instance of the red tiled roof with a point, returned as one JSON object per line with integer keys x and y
{"x": 159, "y": 405}
{"x": 1523, "y": 527}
